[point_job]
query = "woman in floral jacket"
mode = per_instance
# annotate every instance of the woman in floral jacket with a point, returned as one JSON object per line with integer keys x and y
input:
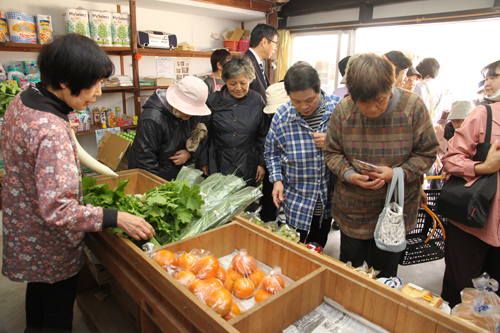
{"x": 44, "y": 219}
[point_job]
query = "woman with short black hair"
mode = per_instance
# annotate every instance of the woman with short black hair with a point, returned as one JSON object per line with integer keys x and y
{"x": 385, "y": 126}
{"x": 44, "y": 218}
{"x": 401, "y": 64}
{"x": 217, "y": 60}
{"x": 236, "y": 128}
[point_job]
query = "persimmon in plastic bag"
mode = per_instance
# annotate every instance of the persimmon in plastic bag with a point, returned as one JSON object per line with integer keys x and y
{"x": 273, "y": 281}
{"x": 244, "y": 263}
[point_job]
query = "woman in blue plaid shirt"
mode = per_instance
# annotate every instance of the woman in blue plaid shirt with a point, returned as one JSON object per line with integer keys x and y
{"x": 294, "y": 155}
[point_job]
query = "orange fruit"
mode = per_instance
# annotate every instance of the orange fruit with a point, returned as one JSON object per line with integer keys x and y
{"x": 257, "y": 276}
{"x": 214, "y": 282}
{"x": 235, "y": 310}
{"x": 221, "y": 274}
{"x": 187, "y": 261}
{"x": 262, "y": 295}
{"x": 220, "y": 300}
{"x": 165, "y": 258}
{"x": 185, "y": 278}
{"x": 273, "y": 283}
{"x": 244, "y": 264}
{"x": 243, "y": 288}
{"x": 200, "y": 288}
{"x": 233, "y": 274}
{"x": 206, "y": 267}
{"x": 228, "y": 284}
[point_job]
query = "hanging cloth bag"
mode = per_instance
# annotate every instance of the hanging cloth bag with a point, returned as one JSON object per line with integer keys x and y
{"x": 390, "y": 232}
{"x": 469, "y": 204}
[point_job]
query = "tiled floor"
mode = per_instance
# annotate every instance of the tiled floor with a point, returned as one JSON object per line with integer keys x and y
{"x": 427, "y": 275}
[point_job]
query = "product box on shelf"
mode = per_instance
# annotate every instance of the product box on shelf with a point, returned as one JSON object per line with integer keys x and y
{"x": 113, "y": 151}
{"x": 169, "y": 306}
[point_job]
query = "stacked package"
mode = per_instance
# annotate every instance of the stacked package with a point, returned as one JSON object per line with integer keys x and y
{"x": 100, "y": 27}
{"x": 76, "y": 20}
{"x": 122, "y": 80}
{"x": 120, "y": 29}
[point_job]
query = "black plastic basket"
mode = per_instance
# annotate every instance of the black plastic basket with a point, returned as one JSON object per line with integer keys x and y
{"x": 417, "y": 251}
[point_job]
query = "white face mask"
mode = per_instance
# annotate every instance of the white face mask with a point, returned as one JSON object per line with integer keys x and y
{"x": 495, "y": 97}
{"x": 175, "y": 112}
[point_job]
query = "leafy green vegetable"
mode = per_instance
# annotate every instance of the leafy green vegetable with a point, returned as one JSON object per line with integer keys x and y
{"x": 168, "y": 208}
{"x": 7, "y": 94}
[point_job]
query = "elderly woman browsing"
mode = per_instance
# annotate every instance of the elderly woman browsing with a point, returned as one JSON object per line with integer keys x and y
{"x": 385, "y": 126}
{"x": 236, "y": 128}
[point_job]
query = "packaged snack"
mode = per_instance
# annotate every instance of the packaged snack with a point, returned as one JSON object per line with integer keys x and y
{"x": 44, "y": 28}
{"x": 421, "y": 294}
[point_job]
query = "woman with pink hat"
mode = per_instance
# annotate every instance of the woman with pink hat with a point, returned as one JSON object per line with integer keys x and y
{"x": 164, "y": 126}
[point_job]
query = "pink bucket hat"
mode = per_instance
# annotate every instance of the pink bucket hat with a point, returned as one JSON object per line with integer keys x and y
{"x": 189, "y": 96}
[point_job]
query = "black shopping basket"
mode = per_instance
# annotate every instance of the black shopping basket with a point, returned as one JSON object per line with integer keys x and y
{"x": 425, "y": 242}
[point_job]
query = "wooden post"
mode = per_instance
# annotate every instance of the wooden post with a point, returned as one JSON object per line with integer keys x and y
{"x": 135, "y": 62}
{"x": 272, "y": 19}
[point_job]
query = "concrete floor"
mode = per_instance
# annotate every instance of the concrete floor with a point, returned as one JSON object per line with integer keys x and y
{"x": 428, "y": 275}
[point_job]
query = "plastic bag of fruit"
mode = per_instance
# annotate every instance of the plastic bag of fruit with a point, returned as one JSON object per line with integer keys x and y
{"x": 271, "y": 283}
{"x": 241, "y": 275}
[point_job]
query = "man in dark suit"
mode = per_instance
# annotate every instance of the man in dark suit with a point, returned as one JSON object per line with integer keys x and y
{"x": 263, "y": 40}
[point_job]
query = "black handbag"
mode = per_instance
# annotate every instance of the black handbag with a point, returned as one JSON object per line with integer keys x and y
{"x": 470, "y": 205}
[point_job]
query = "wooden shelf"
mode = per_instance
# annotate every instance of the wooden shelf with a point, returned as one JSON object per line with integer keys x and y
{"x": 129, "y": 89}
{"x": 175, "y": 53}
{"x": 24, "y": 47}
{"x": 94, "y": 128}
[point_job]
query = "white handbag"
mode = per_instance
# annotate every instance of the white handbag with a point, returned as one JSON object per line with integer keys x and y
{"x": 390, "y": 232}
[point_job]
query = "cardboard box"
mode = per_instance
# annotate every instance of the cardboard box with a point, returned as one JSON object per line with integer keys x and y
{"x": 100, "y": 273}
{"x": 160, "y": 81}
{"x": 113, "y": 151}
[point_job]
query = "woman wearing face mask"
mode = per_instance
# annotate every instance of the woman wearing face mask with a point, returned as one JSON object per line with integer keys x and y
{"x": 385, "y": 126}
{"x": 471, "y": 251}
{"x": 236, "y": 128}
{"x": 168, "y": 118}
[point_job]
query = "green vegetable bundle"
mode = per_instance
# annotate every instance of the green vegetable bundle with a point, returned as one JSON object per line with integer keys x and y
{"x": 189, "y": 175}
{"x": 7, "y": 94}
{"x": 223, "y": 189}
{"x": 209, "y": 183}
{"x": 223, "y": 211}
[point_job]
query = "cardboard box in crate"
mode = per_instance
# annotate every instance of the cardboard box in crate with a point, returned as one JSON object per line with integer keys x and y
{"x": 166, "y": 305}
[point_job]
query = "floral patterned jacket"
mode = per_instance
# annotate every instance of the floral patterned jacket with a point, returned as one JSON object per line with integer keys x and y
{"x": 44, "y": 220}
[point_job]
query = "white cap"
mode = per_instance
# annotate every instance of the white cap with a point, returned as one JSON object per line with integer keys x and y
{"x": 460, "y": 109}
{"x": 276, "y": 96}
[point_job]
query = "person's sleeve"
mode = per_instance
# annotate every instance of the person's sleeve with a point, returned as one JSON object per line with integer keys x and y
{"x": 335, "y": 158}
{"x": 262, "y": 133}
{"x": 425, "y": 144}
{"x": 202, "y": 151}
{"x": 462, "y": 147}
{"x": 273, "y": 151}
{"x": 58, "y": 185}
{"x": 147, "y": 146}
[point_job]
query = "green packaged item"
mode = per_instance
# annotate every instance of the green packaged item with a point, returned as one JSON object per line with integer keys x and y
{"x": 189, "y": 175}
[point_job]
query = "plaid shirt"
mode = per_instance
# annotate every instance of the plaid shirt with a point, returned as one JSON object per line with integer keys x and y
{"x": 293, "y": 158}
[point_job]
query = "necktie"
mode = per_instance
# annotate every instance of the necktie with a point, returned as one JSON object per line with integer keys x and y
{"x": 262, "y": 69}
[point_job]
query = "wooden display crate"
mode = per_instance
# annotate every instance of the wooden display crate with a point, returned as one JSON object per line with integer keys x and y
{"x": 140, "y": 180}
{"x": 166, "y": 305}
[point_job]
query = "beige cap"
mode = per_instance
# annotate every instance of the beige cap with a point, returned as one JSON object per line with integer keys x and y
{"x": 276, "y": 96}
{"x": 347, "y": 66}
{"x": 460, "y": 109}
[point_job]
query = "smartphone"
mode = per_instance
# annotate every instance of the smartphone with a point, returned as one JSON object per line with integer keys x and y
{"x": 360, "y": 165}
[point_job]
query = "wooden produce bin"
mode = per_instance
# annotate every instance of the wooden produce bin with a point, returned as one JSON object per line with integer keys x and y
{"x": 165, "y": 305}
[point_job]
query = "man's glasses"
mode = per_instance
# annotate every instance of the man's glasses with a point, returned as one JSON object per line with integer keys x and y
{"x": 272, "y": 41}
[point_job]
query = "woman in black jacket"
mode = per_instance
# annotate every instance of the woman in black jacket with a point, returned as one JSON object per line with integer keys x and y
{"x": 236, "y": 128}
{"x": 164, "y": 126}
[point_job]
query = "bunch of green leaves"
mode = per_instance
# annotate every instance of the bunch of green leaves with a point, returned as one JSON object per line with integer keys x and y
{"x": 7, "y": 93}
{"x": 170, "y": 207}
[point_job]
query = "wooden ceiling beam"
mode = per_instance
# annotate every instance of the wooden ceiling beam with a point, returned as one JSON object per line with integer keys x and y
{"x": 259, "y": 6}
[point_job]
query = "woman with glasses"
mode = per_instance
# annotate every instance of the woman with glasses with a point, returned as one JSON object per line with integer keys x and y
{"x": 412, "y": 77}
